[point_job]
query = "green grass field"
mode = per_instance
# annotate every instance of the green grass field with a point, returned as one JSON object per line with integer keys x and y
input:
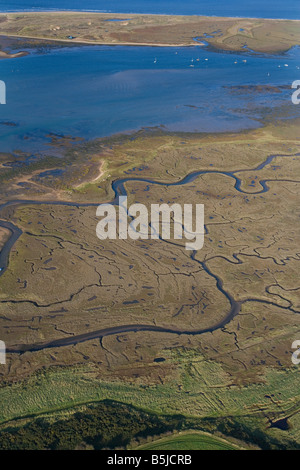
{"x": 189, "y": 441}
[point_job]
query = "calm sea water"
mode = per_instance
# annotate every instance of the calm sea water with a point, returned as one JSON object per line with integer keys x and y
{"x": 254, "y": 8}
{"x": 94, "y": 91}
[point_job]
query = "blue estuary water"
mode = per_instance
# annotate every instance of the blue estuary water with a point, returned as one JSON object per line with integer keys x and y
{"x": 95, "y": 91}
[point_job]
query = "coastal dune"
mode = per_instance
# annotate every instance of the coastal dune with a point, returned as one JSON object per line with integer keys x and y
{"x": 259, "y": 35}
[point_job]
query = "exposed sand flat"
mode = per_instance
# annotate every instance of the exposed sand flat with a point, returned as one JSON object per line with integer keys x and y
{"x": 6, "y": 55}
{"x": 261, "y": 35}
{"x": 113, "y": 43}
